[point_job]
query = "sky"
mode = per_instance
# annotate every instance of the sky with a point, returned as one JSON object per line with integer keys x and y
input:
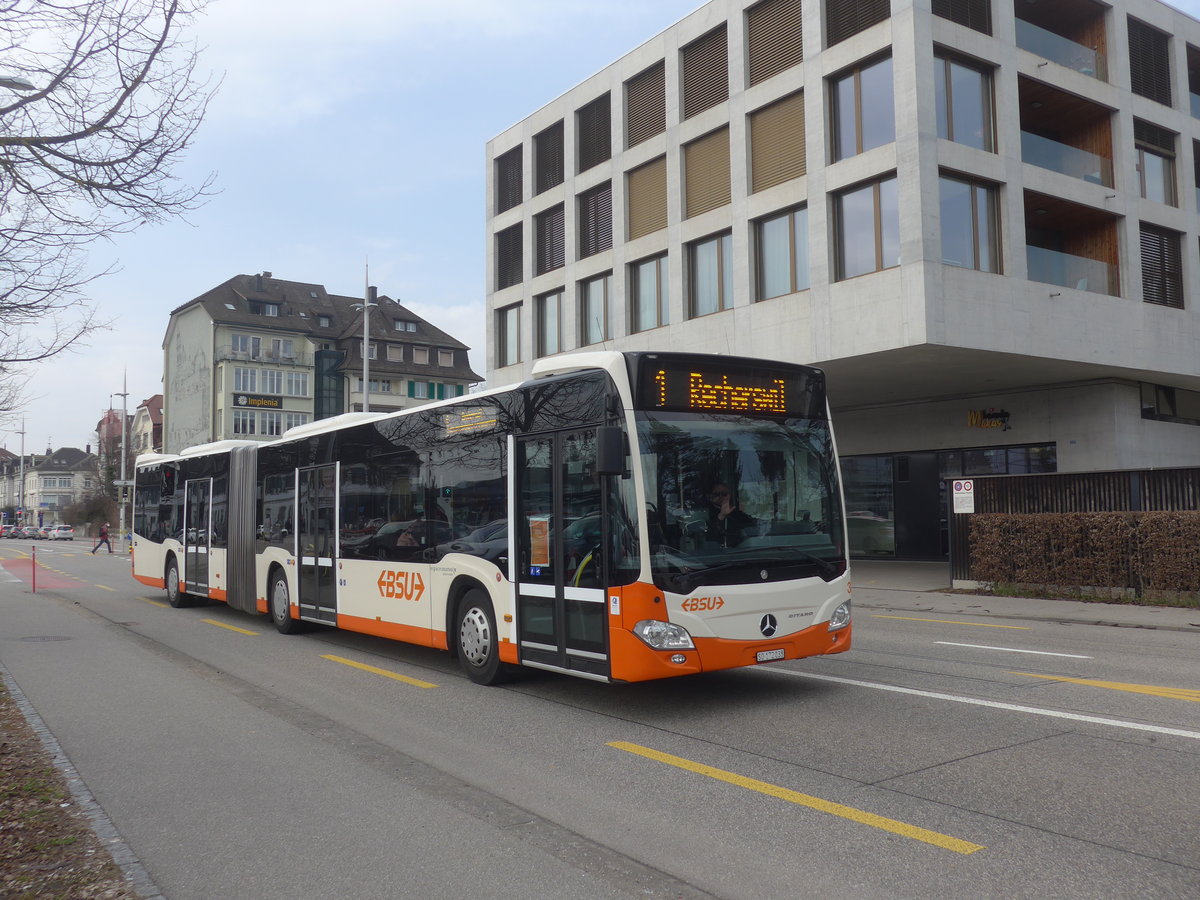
{"x": 344, "y": 136}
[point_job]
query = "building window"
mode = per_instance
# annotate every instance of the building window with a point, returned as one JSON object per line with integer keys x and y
{"x": 868, "y": 228}
{"x": 246, "y": 346}
{"x": 646, "y": 105}
{"x": 705, "y": 72}
{"x": 549, "y": 240}
{"x": 419, "y": 390}
{"x": 593, "y": 130}
{"x": 508, "y": 179}
{"x": 372, "y": 349}
{"x": 421, "y": 356}
{"x": 270, "y": 423}
{"x": 782, "y": 254}
{"x": 970, "y": 237}
{"x": 976, "y": 14}
{"x": 401, "y": 325}
{"x": 509, "y": 270}
{"x": 1156, "y": 161}
{"x": 395, "y": 353}
{"x": 1149, "y": 62}
{"x": 244, "y": 421}
{"x": 1162, "y": 266}
{"x": 245, "y": 379}
{"x": 862, "y": 108}
{"x": 548, "y": 323}
{"x": 272, "y": 381}
{"x": 774, "y": 38}
{"x": 595, "y": 220}
{"x": 964, "y": 103}
{"x": 710, "y": 275}
{"x": 1169, "y": 404}
{"x": 508, "y": 335}
{"x": 445, "y": 357}
{"x": 297, "y": 384}
{"x": 283, "y": 348}
{"x": 777, "y": 145}
{"x": 593, "y": 310}
{"x": 648, "y": 294}
{"x": 844, "y": 18}
{"x": 258, "y": 308}
{"x": 646, "y": 196}
{"x": 324, "y": 321}
{"x": 548, "y": 158}
{"x": 706, "y": 173}
{"x": 294, "y": 420}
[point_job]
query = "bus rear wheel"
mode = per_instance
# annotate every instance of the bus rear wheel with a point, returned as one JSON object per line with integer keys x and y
{"x": 177, "y": 598}
{"x": 281, "y": 605}
{"x": 476, "y": 639}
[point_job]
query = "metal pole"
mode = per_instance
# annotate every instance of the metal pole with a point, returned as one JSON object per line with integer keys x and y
{"x": 21, "y": 487}
{"x": 121, "y": 489}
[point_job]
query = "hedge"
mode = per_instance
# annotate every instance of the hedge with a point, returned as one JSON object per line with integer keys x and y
{"x": 1117, "y": 555}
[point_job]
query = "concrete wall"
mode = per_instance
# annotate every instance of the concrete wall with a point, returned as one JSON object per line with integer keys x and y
{"x": 188, "y": 381}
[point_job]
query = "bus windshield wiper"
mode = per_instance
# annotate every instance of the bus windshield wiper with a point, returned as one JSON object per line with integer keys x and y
{"x": 821, "y": 563}
{"x": 685, "y": 582}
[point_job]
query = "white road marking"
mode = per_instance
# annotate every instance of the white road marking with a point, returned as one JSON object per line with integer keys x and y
{"x": 995, "y": 704}
{"x": 1014, "y": 650}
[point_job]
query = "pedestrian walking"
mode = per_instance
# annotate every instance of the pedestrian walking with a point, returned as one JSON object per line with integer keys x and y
{"x": 103, "y": 539}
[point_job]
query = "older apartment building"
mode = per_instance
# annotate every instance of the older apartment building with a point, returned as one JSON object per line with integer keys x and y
{"x": 978, "y": 216}
{"x": 258, "y": 355}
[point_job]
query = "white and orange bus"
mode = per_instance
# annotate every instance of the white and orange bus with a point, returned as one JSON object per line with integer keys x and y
{"x": 618, "y": 517}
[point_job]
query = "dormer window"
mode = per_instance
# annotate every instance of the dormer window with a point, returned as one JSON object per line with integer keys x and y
{"x": 401, "y": 325}
{"x": 258, "y": 308}
{"x": 445, "y": 357}
{"x": 324, "y": 321}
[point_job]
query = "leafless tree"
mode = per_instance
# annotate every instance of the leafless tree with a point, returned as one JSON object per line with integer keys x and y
{"x": 98, "y": 100}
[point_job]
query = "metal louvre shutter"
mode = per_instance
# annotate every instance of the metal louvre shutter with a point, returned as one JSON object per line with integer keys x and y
{"x": 1162, "y": 267}
{"x": 844, "y": 18}
{"x": 775, "y": 38}
{"x": 1149, "y": 70}
{"x": 705, "y": 72}
{"x": 976, "y": 14}
{"x": 1155, "y": 136}
{"x": 550, "y": 252}
{"x": 594, "y": 133}
{"x": 548, "y": 158}
{"x": 595, "y": 220}
{"x": 646, "y": 105}
{"x": 777, "y": 146}
{"x": 508, "y": 179}
{"x": 508, "y": 257}
{"x": 706, "y": 173}
{"x": 647, "y": 193}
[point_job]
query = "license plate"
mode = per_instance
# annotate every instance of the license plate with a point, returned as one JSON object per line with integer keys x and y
{"x": 768, "y": 655}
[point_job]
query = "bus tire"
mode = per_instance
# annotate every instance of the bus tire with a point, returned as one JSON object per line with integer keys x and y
{"x": 281, "y": 605}
{"x": 177, "y": 598}
{"x": 476, "y": 639}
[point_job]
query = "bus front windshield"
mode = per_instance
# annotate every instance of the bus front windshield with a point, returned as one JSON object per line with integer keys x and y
{"x": 735, "y": 499}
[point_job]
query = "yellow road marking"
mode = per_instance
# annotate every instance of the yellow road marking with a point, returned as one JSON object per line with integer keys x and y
{"x": 155, "y": 602}
{"x": 230, "y": 627}
{"x": 836, "y": 809}
{"x": 103, "y": 588}
{"x": 951, "y": 622}
{"x": 415, "y": 682}
{"x": 1171, "y": 693}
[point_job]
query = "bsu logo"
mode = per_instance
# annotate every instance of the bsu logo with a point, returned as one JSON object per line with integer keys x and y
{"x": 401, "y": 585}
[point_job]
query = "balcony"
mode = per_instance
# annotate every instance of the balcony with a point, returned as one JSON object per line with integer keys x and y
{"x": 1068, "y": 270}
{"x": 1070, "y": 245}
{"x": 1065, "y": 159}
{"x": 263, "y": 357}
{"x": 1058, "y": 49}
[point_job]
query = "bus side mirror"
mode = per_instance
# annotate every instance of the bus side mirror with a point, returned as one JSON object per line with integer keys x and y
{"x": 610, "y": 450}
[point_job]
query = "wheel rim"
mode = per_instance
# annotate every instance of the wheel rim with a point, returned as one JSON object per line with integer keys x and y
{"x": 172, "y": 583}
{"x": 475, "y": 637}
{"x": 279, "y": 601}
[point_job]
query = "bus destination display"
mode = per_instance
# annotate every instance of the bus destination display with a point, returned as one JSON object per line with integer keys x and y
{"x": 682, "y": 386}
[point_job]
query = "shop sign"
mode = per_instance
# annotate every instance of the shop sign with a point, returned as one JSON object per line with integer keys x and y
{"x": 988, "y": 418}
{"x": 257, "y": 401}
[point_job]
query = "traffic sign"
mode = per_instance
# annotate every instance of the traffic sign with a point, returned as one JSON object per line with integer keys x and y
{"x": 964, "y": 495}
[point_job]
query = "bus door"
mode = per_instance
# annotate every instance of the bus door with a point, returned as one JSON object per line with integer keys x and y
{"x": 316, "y": 542}
{"x": 196, "y": 523}
{"x": 562, "y": 620}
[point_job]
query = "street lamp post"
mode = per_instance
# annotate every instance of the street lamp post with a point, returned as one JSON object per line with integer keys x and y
{"x": 365, "y": 306}
{"x": 21, "y": 486}
{"x": 123, "y": 484}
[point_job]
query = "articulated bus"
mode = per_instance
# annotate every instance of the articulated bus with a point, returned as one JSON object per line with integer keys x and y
{"x": 619, "y": 516}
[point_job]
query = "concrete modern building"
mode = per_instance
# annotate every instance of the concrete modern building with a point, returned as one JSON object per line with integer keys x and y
{"x": 258, "y": 355}
{"x": 978, "y": 216}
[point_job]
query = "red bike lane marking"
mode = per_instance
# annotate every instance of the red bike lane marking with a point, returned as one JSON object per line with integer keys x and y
{"x": 23, "y": 569}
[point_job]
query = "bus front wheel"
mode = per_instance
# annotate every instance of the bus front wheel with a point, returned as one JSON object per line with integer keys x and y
{"x": 477, "y": 642}
{"x": 281, "y": 605}
{"x": 175, "y": 596}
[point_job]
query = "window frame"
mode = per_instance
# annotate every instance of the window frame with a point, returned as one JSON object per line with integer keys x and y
{"x": 794, "y": 282}
{"x": 839, "y": 220}
{"x": 587, "y": 337}
{"x": 508, "y": 335}
{"x": 944, "y": 93}
{"x": 991, "y": 215}
{"x": 542, "y": 302}
{"x": 661, "y": 304}
{"x": 724, "y": 281}
{"x": 856, "y": 72}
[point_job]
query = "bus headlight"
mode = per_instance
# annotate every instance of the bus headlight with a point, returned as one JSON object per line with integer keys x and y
{"x": 840, "y": 617}
{"x": 663, "y": 635}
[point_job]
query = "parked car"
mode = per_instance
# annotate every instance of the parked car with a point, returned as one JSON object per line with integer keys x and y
{"x": 61, "y": 533}
{"x": 488, "y": 541}
{"x": 7, "y": 531}
{"x": 405, "y": 540}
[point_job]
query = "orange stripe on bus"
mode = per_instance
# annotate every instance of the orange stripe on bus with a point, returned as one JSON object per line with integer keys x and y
{"x": 150, "y": 581}
{"x": 410, "y": 634}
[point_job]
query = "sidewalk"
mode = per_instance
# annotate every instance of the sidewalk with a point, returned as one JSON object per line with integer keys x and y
{"x": 924, "y": 587}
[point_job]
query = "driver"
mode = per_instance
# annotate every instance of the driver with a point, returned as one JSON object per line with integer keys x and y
{"x": 726, "y": 522}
